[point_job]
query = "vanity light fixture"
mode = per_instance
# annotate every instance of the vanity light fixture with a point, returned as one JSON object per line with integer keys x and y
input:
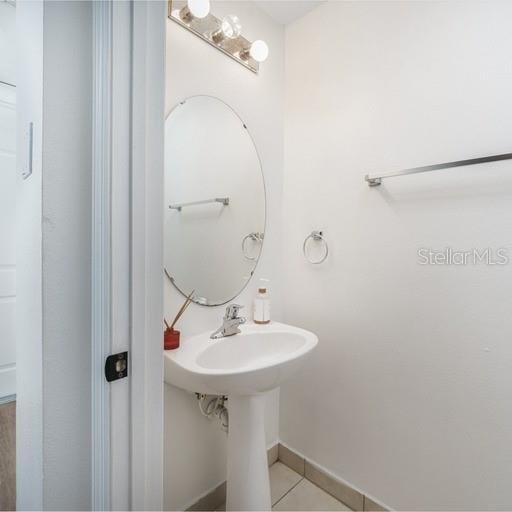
{"x": 194, "y": 9}
{"x": 258, "y": 51}
{"x": 230, "y": 28}
{"x": 225, "y": 34}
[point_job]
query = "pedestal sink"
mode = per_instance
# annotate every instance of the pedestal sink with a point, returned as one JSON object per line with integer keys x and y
{"x": 244, "y": 367}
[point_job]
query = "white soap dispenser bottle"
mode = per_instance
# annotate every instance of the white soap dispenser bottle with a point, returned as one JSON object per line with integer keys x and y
{"x": 261, "y": 306}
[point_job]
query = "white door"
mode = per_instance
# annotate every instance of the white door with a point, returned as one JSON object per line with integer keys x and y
{"x": 7, "y": 241}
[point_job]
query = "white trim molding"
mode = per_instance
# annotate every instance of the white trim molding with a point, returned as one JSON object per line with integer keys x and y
{"x": 148, "y": 107}
{"x": 101, "y": 251}
{"x": 127, "y": 294}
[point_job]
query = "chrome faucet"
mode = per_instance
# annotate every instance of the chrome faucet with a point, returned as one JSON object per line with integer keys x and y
{"x": 230, "y": 323}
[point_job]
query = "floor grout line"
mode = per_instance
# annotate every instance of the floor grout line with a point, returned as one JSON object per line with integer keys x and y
{"x": 287, "y": 492}
{"x": 326, "y": 492}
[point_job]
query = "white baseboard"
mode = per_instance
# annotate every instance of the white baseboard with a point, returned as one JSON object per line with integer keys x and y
{"x": 7, "y": 399}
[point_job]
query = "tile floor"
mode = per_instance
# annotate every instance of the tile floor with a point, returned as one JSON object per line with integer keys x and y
{"x": 290, "y": 491}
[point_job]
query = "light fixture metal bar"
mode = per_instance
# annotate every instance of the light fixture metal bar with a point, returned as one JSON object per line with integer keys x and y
{"x": 376, "y": 180}
{"x": 180, "y": 206}
{"x": 206, "y": 27}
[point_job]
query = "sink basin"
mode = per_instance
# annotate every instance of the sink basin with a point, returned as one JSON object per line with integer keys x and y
{"x": 257, "y": 360}
{"x": 244, "y": 367}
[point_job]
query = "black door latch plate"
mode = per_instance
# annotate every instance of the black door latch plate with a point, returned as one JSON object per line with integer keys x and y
{"x": 116, "y": 366}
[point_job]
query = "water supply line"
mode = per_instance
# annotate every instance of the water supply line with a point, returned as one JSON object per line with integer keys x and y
{"x": 213, "y": 406}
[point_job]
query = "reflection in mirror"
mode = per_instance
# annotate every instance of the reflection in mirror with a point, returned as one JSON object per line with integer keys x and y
{"x": 214, "y": 201}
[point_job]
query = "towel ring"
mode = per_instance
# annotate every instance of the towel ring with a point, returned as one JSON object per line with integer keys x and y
{"x": 255, "y": 237}
{"x": 317, "y": 236}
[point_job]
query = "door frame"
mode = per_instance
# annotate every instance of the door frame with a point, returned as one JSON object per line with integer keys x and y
{"x": 127, "y": 249}
{"x": 7, "y": 286}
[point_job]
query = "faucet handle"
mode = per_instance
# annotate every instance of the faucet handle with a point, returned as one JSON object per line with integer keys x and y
{"x": 232, "y": 311}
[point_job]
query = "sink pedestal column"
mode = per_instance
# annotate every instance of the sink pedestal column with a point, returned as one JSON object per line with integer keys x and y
{"x": 248, "y": 485}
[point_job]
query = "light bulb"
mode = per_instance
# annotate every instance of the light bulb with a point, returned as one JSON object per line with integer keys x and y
{"x": 231, "y": 26}
{"x": 259, "y": 50}
{"x": 199, "y": 8}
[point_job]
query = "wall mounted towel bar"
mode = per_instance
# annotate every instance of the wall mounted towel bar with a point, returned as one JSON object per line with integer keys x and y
{"x": 179, "y": 206}
{"x": 374, "y": 181}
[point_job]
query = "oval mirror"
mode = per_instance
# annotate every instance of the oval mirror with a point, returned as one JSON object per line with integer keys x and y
{"x": 214, "y": 201}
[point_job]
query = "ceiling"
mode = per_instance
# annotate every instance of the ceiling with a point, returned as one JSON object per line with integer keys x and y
{"x": 286, "y": 11}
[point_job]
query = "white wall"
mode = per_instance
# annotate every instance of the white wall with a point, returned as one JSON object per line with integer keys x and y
{"x": 408, "y": 394}
{"x": 195, "y": 448}
{"x": 29, "y": 344}
{"x": 54, "y": 221}
{"x": 67, "y": 253}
